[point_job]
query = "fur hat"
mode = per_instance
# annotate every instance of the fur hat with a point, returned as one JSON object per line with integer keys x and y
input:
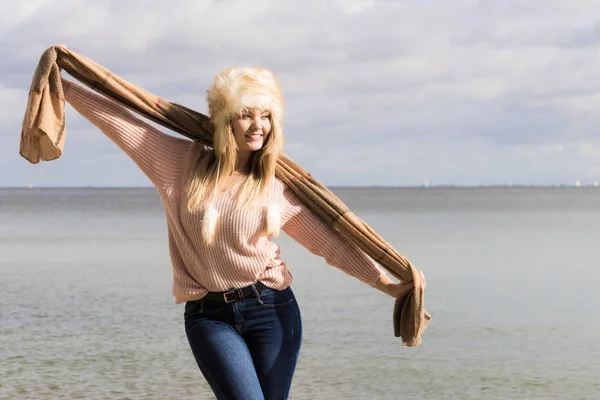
{"x": 236, "y": 89}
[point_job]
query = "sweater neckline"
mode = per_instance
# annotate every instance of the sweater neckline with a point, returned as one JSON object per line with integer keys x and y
{"x": 234, "y": 187}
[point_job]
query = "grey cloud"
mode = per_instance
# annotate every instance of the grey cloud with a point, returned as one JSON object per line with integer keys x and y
{"x": 498, "y": 74}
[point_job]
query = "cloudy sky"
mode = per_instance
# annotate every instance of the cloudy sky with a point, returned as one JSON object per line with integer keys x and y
{"x": 387, "y": 92}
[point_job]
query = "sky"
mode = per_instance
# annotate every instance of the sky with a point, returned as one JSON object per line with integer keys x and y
{"x": 377, "y": 93}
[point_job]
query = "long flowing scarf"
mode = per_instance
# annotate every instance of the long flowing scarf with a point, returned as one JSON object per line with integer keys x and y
{"x": 43, "y": 136}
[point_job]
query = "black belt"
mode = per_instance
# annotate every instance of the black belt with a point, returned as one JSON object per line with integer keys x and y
{"x": 235, "y": 294}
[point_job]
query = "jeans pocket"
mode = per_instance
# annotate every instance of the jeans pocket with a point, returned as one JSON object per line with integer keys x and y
{"x": 193, "y": 308}
{"x": 276, "y": 298}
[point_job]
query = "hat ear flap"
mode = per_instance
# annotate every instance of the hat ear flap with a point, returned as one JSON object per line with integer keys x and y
{"x": 221, "y": 137}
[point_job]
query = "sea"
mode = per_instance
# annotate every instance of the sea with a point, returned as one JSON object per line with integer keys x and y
{"x": 513, "y": 274}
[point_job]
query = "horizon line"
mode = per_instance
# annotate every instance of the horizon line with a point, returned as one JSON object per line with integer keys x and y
{"x": 441, "y": 186}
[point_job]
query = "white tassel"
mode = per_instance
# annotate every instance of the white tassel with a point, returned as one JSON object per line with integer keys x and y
{"x": 273, "y": 220}
{"x": 211, "y": 215}
{"x": 209, "y": 224}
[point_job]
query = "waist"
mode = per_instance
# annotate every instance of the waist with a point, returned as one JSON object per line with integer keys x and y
{"x": 191, "y": 284}
{"x": 229, "y": 296}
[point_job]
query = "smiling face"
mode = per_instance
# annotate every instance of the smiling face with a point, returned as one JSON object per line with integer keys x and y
{"x": 251, "y": 129}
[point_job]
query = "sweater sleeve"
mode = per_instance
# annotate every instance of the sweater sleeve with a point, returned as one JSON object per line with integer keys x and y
{"x": 303, "y": 225}
{"x": 157, "y": 154}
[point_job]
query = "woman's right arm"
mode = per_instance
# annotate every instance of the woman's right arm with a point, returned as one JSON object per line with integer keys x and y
{"x": 158, "y": 155}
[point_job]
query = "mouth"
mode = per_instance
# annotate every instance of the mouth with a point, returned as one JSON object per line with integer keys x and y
{"x": 254, "y": 136}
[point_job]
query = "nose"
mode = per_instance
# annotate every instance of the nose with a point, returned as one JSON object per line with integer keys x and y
{"x": 258, "y": 122}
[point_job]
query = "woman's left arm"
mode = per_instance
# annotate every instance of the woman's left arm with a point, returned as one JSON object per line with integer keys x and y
{"x": 303, "y": 225}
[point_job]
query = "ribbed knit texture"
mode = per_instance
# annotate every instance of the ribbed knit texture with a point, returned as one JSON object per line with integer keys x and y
{"x": 241, "y": 254}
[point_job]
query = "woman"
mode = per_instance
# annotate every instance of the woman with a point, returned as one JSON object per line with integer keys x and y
{"x": 223, "y": 204}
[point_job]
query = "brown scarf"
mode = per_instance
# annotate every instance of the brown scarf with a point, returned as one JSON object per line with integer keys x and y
{"x": 43, "y": 137}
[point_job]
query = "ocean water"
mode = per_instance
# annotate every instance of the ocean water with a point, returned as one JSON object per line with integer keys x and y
{"x": 513, "y": 276}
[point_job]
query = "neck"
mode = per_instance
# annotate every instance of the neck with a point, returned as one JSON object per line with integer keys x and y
{"x": 243, "y": 161}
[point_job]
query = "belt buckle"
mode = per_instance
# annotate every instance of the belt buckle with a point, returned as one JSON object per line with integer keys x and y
{"x": 239, "y": 292}
{"x": 228, "y": 294}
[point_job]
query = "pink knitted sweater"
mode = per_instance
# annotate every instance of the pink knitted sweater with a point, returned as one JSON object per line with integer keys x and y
{"x": 241, "y": 253}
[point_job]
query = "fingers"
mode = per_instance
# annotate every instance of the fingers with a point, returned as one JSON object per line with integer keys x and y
{"x": 423, "y": 278}
{"x": 402, "y": 288}
{"x": 423, "y": 282}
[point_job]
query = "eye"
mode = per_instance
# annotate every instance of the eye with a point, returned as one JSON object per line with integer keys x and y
{"x": 266, "y": 116}
{"x": 246, "y": 116}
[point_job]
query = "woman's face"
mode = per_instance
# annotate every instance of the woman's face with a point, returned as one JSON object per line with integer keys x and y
{"x": 251, "y": 129}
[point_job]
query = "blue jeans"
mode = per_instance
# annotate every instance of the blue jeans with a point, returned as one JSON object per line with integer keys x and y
{"x": 247, "y": 349}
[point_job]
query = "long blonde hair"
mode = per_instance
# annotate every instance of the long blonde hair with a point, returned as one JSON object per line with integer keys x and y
{"x": 233, "y": 91}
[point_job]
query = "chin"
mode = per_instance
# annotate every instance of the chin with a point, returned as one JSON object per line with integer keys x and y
{"x": 254, "y": 146}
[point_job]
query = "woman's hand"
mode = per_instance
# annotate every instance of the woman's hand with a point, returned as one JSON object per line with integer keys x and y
{"x": 396, "y": 290}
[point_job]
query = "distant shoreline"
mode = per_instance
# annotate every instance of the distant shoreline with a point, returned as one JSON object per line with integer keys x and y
{"x": 330, "y": 187}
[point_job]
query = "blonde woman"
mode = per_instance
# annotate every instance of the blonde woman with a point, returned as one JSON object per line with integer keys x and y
{"x": 223, "y": 205}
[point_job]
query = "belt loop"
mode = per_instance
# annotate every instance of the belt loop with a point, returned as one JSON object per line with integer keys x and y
{"x": 256, "y": 294}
